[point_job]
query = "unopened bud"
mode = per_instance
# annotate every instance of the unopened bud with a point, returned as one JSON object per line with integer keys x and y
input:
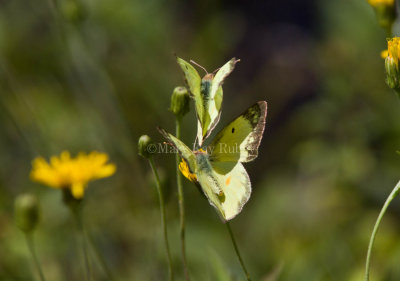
{"x": 26, "y": 210}
{"x": 145, "y": 146}
{"x": 180, "y": 101}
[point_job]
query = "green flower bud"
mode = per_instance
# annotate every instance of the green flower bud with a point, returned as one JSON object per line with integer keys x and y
{"x": 145, "y": 146}
{"x": 73, "y": 11}
{"x": 180, "y": 101}
{"x": 26, "y": 210}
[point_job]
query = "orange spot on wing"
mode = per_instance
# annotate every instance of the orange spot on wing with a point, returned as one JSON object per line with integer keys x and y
{"x": 228, "y": 180}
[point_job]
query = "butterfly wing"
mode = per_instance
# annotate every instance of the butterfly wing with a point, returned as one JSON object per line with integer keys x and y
{"x": 193, "y": 81}
{"x": 183, "y": 150}
{"x": 220, "y": 76}
{"x": 239, "y": 141}
{"x": 227, "y": 187}
{"x": 212, "y": 98}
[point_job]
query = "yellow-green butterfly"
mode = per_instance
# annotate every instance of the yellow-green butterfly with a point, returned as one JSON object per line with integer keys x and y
{"x": 207, "y": 95}
{"x": 218, "y": 167}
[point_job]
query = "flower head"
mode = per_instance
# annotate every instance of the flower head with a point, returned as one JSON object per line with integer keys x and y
{"x": 376, "y": 3}
{"x": 385, "y": 12}
{"x": 392, "y": 63}
{"x": 393, "y": 50}
{"x": 72, "y": 173}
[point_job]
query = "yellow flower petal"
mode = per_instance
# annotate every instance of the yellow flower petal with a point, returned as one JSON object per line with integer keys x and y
{"x": 183, "y": 167}
{"x": 77, "y": 190}
{"x": 394, "y": 49}
{"x": 106, "y": 171}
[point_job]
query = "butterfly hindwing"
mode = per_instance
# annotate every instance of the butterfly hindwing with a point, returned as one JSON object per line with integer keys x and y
{"x": 239, "y": 141}
{"x": 227, "y": 187}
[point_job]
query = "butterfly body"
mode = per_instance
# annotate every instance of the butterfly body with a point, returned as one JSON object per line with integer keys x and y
{"x": 202, "y": 161}
{"x": 206, "y": 84}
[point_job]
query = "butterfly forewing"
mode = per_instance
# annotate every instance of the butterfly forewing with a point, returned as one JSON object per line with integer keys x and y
{"x": 239, "y": 141}
{"x": 183, "y": 150}
{"x": 214, "y": 96}
{"x": 193, "y": 81}
{"x": 221, "y": 74}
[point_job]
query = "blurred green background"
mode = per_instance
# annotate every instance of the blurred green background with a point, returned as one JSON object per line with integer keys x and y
{"x": 85, "y": 75}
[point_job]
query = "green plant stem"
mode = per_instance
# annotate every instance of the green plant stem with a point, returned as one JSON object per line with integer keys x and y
{"x": 100, "y": 258}
{"x": 81, "y": 228}
{"x": 237, "y": 251}
{"x": 392, "y": 195}
{"x": 389, "y": 31}
{"x": 181, "y": 201}
{"x": 31, "y": 246}
{"x": 163, "y": 220}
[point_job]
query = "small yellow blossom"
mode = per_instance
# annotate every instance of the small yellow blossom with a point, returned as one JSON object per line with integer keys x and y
{"x": 183, "y": 167}
{"x": 384, "y": 54}
{"x": 375, "y": 3}
{"x": 392, "y": 64}
{"x": 393, "y": 51}
{"x": 385, "y": 11}
{"x": 73, "y": 173}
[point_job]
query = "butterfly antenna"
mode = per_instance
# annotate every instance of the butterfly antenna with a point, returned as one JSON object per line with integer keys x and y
{"x": 216, "y": 70}
{"x": 195, "y": 63}
{"x": 167, "y": 143}
{"x": 236, "y": 61}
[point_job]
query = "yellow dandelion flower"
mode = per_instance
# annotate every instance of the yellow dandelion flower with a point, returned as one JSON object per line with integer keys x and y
{"x": 184, "y": 168}
{"x": 392, "y": 64}
{"x": 385, "y": 11}
{"x": 375, "y": 3}
{"x": 73, "y": 173}
{"x": 393, "y": 51}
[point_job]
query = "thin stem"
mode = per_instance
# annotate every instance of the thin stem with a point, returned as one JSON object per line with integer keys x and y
{"x": 181, "y": 201}
{"x": 100, "y": 258}
{"x": 389, "y": 31}
{"x": 392, "y": 195}
{"x": 31, "y": 246}
{"x": 237, "y": 252}
{"x": 79, "y": 221}
{"x": 163, "y": 220}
